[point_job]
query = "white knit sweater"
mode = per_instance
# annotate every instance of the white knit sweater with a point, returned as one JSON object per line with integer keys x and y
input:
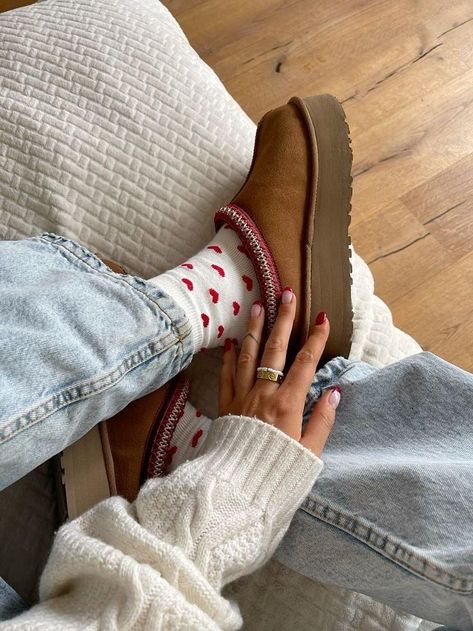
{"x": 161, "y": 562}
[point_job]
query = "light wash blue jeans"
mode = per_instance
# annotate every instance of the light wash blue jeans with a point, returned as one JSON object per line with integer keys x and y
{"x": 391, "y": 515}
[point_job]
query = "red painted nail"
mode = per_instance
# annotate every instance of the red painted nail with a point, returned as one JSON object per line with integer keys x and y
{"x": 337, "y": 388}
{"x": 321, "y": 318}
{"x": 228, "y": 345}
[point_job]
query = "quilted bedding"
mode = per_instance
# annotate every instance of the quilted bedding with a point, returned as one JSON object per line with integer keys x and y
{"x": 118, "y": 135}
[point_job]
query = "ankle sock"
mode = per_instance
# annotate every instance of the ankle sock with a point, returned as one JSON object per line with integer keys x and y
{"x": 216, "y": 289}
{"x": 188, "y": 437}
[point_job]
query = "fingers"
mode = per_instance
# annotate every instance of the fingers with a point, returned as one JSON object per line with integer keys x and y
{"x": 249, "y": 352}
{"x": 274, "y": 355}
{"x": 226, "y": 390}
{"x": 302, "y": 371}
{"x": 321, "y": 421}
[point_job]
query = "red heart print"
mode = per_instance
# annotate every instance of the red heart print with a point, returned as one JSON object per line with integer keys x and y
{"x": 196, "y": 437}
{"x": 248, "y": 282}
{"x": 188, "y": 265}
{"x": 221, "y": 329}
{"x": 188, "y": 283}
{"x": 215, "y": 248}
{"x": 205, "y": 319}
{"x": 236, "y": 308}
{"x": 218, "y": 269}
{"x": 215, "y": 295}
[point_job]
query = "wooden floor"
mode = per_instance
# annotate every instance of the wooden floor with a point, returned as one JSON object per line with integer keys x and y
{"x": 404, "y": 73}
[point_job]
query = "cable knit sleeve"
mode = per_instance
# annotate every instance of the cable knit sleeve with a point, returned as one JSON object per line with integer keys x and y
{"x": 162, "y": 561}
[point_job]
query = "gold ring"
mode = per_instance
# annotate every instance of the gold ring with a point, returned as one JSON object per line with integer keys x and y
{"x": 269, "y": 374}
{"x": 248, "y": 334}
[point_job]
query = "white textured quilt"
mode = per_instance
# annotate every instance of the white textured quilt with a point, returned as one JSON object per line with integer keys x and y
{"x": 115, "y": 133}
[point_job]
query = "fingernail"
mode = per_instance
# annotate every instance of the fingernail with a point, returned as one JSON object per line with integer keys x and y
{"x": 287, "y": 296}
{"x": 335, "y": 396}
{"x": 321, "y": 318}
{"x": 256, "y": 309}
{"x": 228, "y": 345}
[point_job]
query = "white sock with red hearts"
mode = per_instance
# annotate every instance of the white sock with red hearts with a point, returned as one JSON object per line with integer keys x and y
{"x": 216, "y": 289}
{"x": 188, "y": 438}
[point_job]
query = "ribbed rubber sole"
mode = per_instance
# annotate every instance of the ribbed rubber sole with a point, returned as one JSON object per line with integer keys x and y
{"x": 328, "y": 262}
{"x": 84, "y": 473}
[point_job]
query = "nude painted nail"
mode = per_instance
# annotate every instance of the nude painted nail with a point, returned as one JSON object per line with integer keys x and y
{"x": 256, "y": 309}
{"x": 287, "y": 296}
{"x": 335, "y": 396}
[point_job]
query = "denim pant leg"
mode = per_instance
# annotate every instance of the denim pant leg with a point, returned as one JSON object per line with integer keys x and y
{"x": 11, "y": 604}
{"x": 78, "y": 342}
{"x": 391, "y": 515}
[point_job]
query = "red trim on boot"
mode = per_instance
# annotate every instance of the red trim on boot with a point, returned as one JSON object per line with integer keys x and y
{"x": 259, "y": 253}
{"x": 157, "y": 457}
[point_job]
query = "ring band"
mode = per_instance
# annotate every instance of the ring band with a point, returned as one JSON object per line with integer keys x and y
{"x": 269, "y": 374}
{"x": 248, "y": 334}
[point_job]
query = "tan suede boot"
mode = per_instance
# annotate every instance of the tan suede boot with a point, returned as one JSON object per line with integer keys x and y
{"x": 120, "y": 454}
{"x": 293, "y": 213}
{"x": 123, "y": 452}
{"x": 136, "y": 441}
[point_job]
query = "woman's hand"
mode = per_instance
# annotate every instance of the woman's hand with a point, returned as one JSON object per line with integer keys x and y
{"x": 280, "y": 405}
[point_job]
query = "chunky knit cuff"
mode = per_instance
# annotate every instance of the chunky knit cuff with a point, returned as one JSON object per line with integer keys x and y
{"x": 270, "y": 468}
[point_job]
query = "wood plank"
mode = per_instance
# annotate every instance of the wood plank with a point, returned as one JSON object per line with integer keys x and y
{"x": 445, "y": 190}
{"x": 458, "y": 345}
{"x": 435, "y": 311}
{"x": 409, "y": 267}
{"x": 400, "y": 251}
{"x": 453, "y": 229}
